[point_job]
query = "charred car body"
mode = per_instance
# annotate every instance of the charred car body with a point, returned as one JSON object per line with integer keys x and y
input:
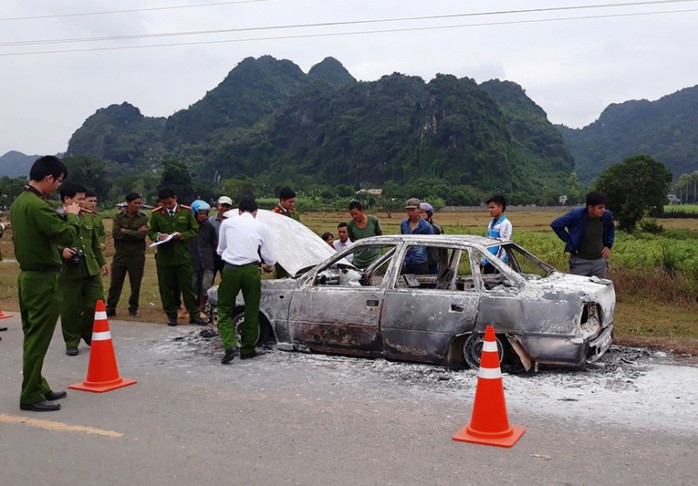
{"x": 541, "y": 315}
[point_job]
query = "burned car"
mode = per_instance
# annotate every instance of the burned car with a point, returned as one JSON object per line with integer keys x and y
{"x": 541, "y": 315}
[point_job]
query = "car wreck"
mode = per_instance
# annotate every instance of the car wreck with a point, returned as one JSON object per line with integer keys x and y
{"x": 541, "y": 316}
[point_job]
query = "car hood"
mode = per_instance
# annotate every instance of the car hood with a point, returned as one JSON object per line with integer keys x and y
{"x": 296, "y": 247}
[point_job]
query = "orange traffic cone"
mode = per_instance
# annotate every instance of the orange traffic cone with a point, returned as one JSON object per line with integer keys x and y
{"x": 3, "y": 315}
{"x": 489, "y": 424}
{"x": 102, "y": 372}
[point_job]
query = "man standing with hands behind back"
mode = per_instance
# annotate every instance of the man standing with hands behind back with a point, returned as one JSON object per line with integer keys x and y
{"x": 38, "y": 231}
{"x": 129, "y": 230}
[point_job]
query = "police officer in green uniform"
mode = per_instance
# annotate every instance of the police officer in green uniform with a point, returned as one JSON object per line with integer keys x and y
{"x": 90, "y": 204}
{"x": 37, "y": 231}
{"x": 81, "y": 276}
{"x": 175, "y": 224}
{"x": 3, "y": 227}
{"x": 129, "y": 230}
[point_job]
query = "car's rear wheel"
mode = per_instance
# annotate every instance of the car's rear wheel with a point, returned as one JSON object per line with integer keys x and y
{"x": 472, "y": 350}
{"x": 264, "y": 332}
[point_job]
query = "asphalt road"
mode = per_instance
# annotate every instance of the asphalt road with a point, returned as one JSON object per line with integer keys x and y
{"x": 289, "y": 418}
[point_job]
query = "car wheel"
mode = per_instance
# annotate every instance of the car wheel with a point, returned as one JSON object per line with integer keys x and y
{"x": 472, "y": 350}
{"x": 238, "y": 322}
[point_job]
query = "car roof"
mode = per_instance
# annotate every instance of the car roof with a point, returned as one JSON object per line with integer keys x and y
{"x": 297, "y": 247}
{"x": 460, "y": 240}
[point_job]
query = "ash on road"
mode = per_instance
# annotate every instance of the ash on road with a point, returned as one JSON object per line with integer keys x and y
{"x": 633, "y": 387}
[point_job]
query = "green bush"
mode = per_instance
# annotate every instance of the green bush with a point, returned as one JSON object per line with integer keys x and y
{"x": 650, "y": 225}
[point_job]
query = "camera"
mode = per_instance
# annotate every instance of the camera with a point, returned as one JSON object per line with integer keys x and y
{"x": 77, "y": 257}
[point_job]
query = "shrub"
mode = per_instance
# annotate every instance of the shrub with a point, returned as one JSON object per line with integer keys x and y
{"x": 650, "y": 225}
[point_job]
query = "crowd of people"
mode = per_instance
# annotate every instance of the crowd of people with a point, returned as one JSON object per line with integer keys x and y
{"x": 62, "y": 262}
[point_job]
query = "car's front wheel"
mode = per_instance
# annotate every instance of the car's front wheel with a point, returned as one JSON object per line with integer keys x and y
{"x": 472, "y": 350}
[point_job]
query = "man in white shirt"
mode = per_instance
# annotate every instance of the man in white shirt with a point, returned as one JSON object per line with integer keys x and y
{"x": 342, "y": 242}
{"x": 242, "y": 242}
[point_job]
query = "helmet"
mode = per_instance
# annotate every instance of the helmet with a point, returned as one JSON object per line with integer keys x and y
{"x": 200, "y": 205}
{"x": 426, "y": 207}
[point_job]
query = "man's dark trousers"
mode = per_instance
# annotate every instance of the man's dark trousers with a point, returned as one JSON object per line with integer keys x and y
{"x": 133, "y": 264}
{"x": 40, "y": 299}
{"x": 248, "y": 279}
{"x": 180, "y": 275}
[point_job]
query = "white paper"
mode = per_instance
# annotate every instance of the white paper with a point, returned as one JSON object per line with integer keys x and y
{"x": 160, "y": 242}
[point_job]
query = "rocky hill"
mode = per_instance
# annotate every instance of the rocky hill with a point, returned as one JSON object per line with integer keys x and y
{"x": 666, "y": 129}
{"x": 270, "y": 122}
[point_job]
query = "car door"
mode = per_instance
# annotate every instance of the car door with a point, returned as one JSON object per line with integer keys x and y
{"x": 333, "y": 312}
{"x": 422, "y": 313}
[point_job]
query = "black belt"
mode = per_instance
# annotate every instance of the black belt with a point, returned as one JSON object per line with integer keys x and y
{"x": 42, "y": 269}
{"x": 235, "y": 267}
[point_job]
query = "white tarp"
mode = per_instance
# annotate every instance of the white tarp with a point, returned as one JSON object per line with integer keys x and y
{"x": 295, "y": 245}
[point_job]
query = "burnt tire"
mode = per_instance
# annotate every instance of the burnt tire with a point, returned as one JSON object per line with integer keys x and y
{"x": 472, "y": 350}
{"x": 264, "y": 332}
{"x": 238, "y": 321}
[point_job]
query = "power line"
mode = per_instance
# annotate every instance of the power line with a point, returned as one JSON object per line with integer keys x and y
{"x": 320, "y": 24}
{"x": 238, "y": 2}
{"x": 132, "y": 10}
{"x": 339, "y": 34}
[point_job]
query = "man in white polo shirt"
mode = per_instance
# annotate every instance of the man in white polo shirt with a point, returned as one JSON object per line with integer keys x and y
{"x": 244, "y": 244}
{"x": 343, "y": 242}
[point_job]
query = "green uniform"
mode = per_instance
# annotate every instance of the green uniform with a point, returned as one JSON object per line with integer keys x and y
{"x": 248, "y": 279}
{"x": 172, "y": 258}
{"x": 37, "y": 231}
{"x": 82, "y": 283}
{"x": 278, "y": 209}
{"x": 129, "y": 256}
{"x": 101, "y": 232}
{"x": 2, "y": 232}
{"x": 291, "y": 214}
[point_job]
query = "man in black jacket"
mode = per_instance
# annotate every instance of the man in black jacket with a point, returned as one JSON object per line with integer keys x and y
{"x": 202, "y": 250}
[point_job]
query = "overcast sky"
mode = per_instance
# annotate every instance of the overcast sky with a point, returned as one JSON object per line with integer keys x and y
{"x": 572, "y": 62}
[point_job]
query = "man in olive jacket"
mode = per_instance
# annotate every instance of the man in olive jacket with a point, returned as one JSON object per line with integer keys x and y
{"x": 38, "y": 230}
{"x": 81, "y": 275}
{"x": 129, "y": 230}
{"x": 174, "y": 224}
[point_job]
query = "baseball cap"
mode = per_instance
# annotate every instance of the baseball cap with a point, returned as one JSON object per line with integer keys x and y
{"x": 412, "y": 203}
{"x": 225, "y": 200}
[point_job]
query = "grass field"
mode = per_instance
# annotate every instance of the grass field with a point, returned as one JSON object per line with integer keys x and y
{"x": 656, "y": 277}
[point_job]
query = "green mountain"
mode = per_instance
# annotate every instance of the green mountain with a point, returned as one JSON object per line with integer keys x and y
{"x": 537, "y": 145}
{"x": 330, "y": 71}
{"x": 269, "y": 122}
{"x": 121, "y": 136}
{"x": 664, "y": 129}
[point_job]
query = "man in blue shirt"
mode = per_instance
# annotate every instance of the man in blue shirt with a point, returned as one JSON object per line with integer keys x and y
{"x": 588, "y": 233}
{"x": 416, "y": 260}
{"x": 500, "y": 228}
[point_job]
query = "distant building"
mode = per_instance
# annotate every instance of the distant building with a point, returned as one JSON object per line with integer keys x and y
{"x": 673, "y": 199}
{"x": 562, "y": 199}
{"x": 372, "y": 192}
